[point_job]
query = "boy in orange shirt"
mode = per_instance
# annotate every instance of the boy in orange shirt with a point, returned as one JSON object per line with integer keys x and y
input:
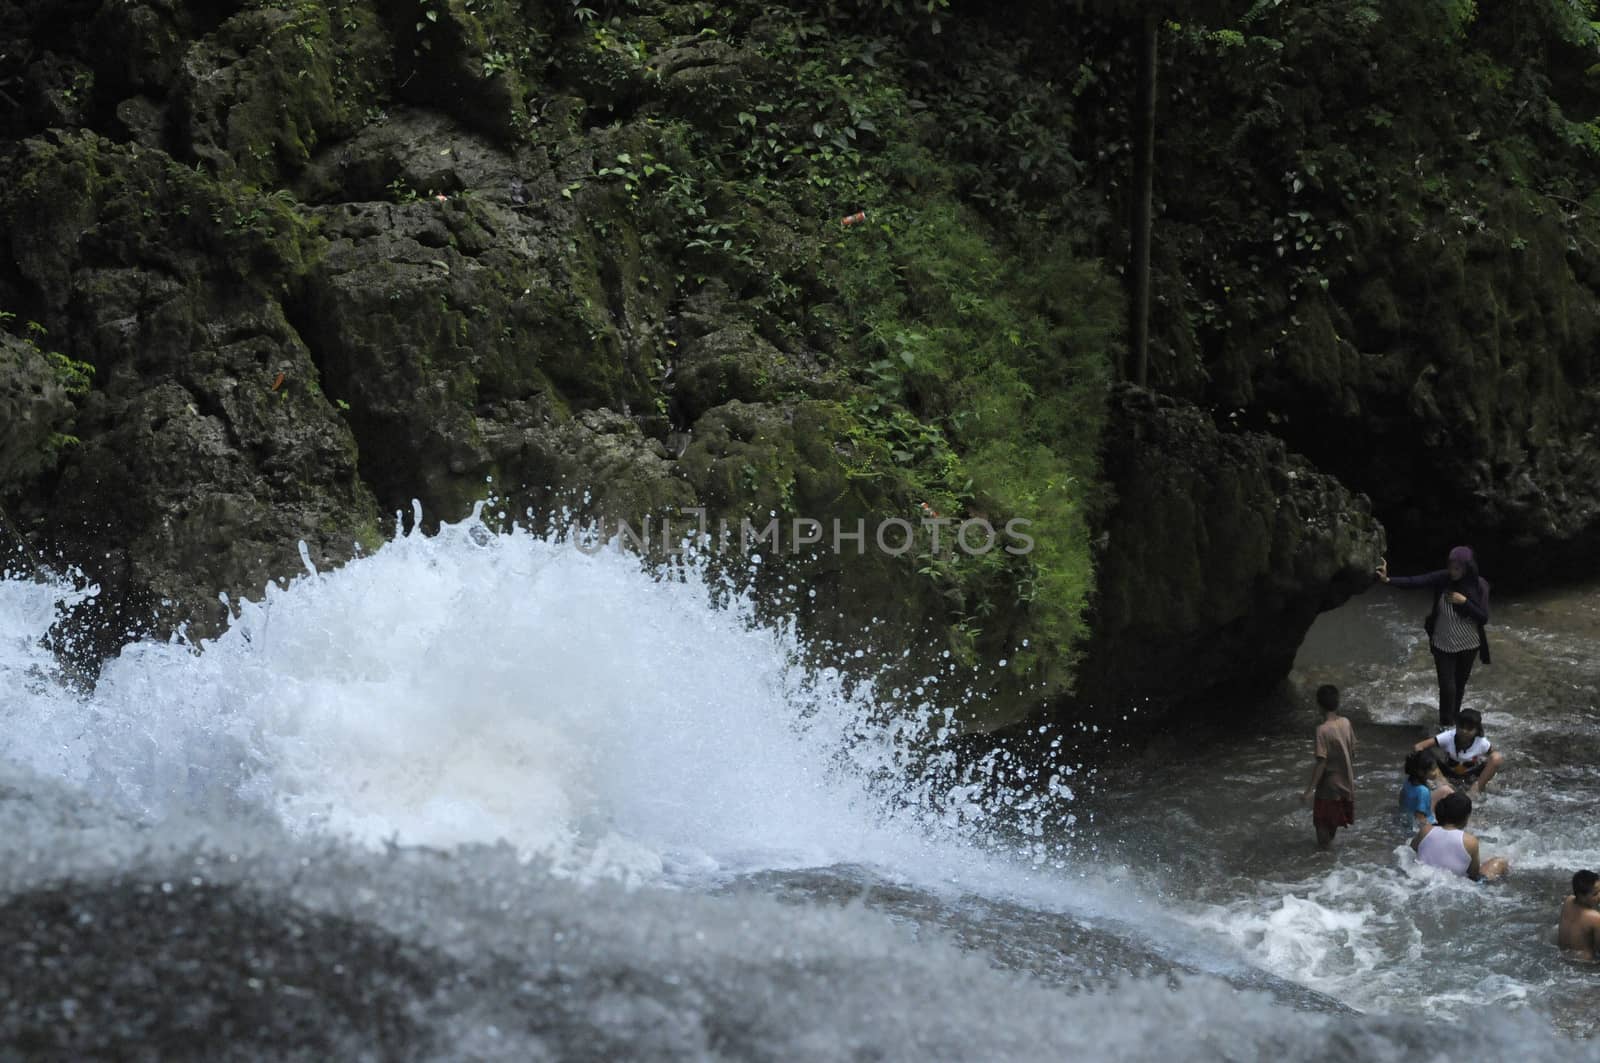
{"x": 1332, "y": 792}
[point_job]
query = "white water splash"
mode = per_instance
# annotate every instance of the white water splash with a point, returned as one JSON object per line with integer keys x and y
{"x": 472, "y": 687}
{"x": 478, "y": 687}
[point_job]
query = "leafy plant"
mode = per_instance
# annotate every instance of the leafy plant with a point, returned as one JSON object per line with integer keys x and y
{"x": 76, "y": 377}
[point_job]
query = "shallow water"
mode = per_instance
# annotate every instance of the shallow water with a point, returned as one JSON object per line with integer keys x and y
{"x": 1219, "y": 831}
{"x": 491, "y": 796}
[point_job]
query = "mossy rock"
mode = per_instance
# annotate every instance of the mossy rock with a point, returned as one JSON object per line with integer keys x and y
{"x": 705, "y": 81}
{"x": 35, "y": 412}
{"x": 257, "y": 96}
{"x": 1221, "y": 549}
{"x": 472, "y": 59}
{"x": 170, "y": 283}
{"x": 731, "y": 363}
{"x": 426, "y": 312}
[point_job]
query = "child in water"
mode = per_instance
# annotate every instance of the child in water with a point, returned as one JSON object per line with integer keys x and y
{"x": 1423, "y": 788}
{"x": 1578, "y": 932}
{"x": 1466, "y": 752}
{"x": 1332, "y": 793}
{"x": 1448, "y": 846}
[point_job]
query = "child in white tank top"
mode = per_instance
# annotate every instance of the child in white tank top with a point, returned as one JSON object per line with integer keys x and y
{"x": 1445, "y": 848}
{"x": 1447, "y": 844}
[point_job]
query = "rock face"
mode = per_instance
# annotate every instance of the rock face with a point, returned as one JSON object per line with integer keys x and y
{"x": 34, "y": 408}
{"x": 1481, "y": 422}
{"x": 326, "y": 259}
{"x": 450, "y": 286}
{"x": 207, "y": 448}
{"x": 1458, "y": 390}
{"x": 1218, "y": 554}
{"x": 1423, "y": 323}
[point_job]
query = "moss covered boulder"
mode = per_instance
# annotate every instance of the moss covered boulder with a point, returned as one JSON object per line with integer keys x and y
{"x": 1218, "y": 554}
{"x": 35, "y": 411}
{"x": 208, "y": 450}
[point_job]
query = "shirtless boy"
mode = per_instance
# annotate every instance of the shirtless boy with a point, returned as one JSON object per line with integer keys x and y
{"x": 1579, "y": 931}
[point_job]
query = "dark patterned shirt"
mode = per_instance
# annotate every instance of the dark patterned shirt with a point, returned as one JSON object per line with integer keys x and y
{"x": 1453, "y": 633}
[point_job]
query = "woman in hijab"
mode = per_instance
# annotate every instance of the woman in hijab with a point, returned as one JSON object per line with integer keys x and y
{"x": 1455, "y": 626}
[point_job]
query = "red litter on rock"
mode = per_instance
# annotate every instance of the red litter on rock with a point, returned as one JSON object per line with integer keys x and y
{"x": 854, "y": 219}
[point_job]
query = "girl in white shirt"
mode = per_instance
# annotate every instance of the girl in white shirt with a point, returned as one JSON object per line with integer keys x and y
{"x": 1464, "y": 753}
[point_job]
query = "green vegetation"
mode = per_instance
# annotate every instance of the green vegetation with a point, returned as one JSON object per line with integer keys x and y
{"x": 988, "y": 379}
{"x": 74, "y": 376}
{"x": 639, "y": 211}
{"x": 978, "y": 341}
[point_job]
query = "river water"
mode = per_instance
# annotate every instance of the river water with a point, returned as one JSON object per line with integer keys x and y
{"x": 1215, "y": 819}
{"x": 489, "y": 796}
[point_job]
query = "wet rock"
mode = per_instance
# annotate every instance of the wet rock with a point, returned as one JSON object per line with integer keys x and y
{"x": 427, "y": 315}
{"x": 209, "y": 449}
{"x": 1220, "y": 550}
{"x": 595, "y": 464}
{"x": 141, "y": 969}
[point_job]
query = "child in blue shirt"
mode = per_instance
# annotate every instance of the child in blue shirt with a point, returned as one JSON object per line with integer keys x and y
{"x": 1416, "y": 793}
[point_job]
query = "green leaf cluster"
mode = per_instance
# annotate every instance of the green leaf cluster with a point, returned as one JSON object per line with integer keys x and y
{"x": 987, "y": 372}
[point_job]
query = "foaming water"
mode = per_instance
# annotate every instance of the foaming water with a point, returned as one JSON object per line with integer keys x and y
{"x": 551, "y": 724}
{"x": 600, "y": 721}
{"x": 474, "y": 687}
{"x": 1234, "y": 857}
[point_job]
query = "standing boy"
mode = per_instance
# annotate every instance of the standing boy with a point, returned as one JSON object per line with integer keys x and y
{"x": 1332, "y": 792}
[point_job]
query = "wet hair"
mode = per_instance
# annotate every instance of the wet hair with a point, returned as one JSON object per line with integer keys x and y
{"x": 1471, "y": 717}
{"x": 1420, "y": 765}
{"x": 1583, "y": 882}
{"x": 1455, "y": 809}
{"x": 1328, "y": 697}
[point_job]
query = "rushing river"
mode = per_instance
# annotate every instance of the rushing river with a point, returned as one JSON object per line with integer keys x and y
{"x": 488, "y": 796}
{"x": 1215, "y": 819}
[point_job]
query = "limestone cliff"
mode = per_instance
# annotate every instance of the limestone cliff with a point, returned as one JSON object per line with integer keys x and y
{"x": 324, "y": 258}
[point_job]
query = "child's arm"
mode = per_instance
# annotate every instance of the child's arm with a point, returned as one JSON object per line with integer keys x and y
{"x": 1420, "y": 819}
{"x": 1316, "y": 778}
{"x": 1425, "y": 744}
{"x": 1421, "y": 834}
{"x": 1471, "y": 844}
